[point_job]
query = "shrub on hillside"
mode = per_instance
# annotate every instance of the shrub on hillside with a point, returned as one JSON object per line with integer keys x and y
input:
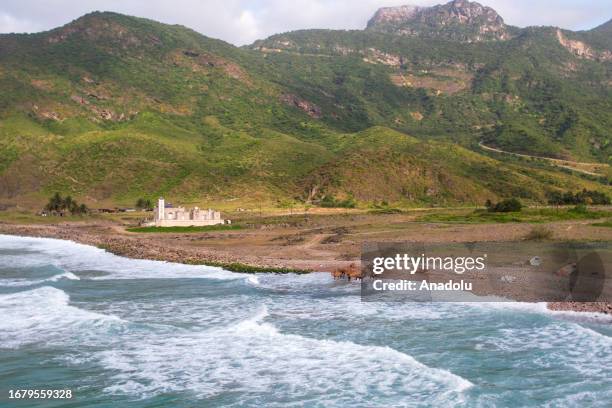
{"x": 330, "y": 202}
{"x": 507, "y": 205}
{"x": 589, "y": 197}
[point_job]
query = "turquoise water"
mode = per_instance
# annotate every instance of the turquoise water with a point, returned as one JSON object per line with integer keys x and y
{"x": 136, "y": 333}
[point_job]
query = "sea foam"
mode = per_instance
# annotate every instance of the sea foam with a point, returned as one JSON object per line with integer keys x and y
{"x": 253, "y": 356}
{"x": 72, "y": 257}
{"x": 45, "y": 315}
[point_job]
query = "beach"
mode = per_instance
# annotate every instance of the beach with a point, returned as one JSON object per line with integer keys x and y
{"x": 315, "y": 243}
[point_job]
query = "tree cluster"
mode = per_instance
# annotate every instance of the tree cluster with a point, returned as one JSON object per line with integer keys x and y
{"x": 507, "y": 205}
{"x": 59, "y": 205}
{"x": 585, "y": 196}
{"x": 144, "y": 204}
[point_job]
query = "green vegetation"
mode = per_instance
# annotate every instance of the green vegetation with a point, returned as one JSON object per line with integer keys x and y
{"x": 388, "y": 210}
{"x": 606, "y": 223}
{"x": 59, "y": 205}
{"x": 582, "y": 197}
{"x": 505, "y": 206}
{"x": 244, "y": 268}
{"x": 29, "y": 217}
{"x": 191, "y": 229}
{"x": 540, "y": 215}
{"x": 115, "y": 109}
{"x": 512, "y": 94}
{"x": 330, "y": 202}
{"x": 144, "y": 204}
{"x": 384, "y": 208}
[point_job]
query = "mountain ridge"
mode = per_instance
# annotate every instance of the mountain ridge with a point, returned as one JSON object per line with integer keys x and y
{"x": 110, "y": 108}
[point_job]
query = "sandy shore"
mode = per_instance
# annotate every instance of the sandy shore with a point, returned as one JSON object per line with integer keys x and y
{"x": 320, "y": 244}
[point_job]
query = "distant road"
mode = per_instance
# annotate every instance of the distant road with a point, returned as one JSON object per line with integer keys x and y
{"x": 567, "y": 164}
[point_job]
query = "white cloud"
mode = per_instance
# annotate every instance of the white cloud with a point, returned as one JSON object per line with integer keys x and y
{"x": 570, "y": 14}
{"x": 248, "y": 27}
{"x": 10, "y": 24}
{"x": 243, "y": 21}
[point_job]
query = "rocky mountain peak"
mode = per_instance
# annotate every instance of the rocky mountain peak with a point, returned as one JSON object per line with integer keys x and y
{"x": 394, "y": 15}
{"x": 459, "y": 20}
{"x": 468, "y": 12}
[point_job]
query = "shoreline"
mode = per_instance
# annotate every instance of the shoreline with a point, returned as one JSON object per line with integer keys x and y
{"x": 107, "y": 237}
{"x": 129, "y": 248}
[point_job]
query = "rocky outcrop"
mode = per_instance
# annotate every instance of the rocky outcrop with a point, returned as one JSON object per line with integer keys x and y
{"x": 459, "y": 20}
{"x": 375, "y": 56}
{"x": 203, "y": 61}
{"x": 100, "y": 113}
{"x": 310, "y": 108}
{"x": 51, "y": 116}
{"x": 393, "y": 15}
{"x": 581, "y": 49}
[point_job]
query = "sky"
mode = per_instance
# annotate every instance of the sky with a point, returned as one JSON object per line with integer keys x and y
{"x": 244, "y": 21}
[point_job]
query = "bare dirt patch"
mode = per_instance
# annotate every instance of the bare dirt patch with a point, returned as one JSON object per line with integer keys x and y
{"x": 440, "y": 80}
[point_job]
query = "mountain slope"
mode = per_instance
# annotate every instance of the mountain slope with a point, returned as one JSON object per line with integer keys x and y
{"x": 600, "y": 36}
{"x": 110, "y": 108}
{"x": 128, "y": 106}
{"x": 543, "y": 91}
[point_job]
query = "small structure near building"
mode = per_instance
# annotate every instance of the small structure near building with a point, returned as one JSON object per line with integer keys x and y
{"x": 180, "y": 217}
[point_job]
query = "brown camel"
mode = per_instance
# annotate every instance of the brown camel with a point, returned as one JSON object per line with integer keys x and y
{"x": 338, "y": 273}
{"x": 350, "y": 272}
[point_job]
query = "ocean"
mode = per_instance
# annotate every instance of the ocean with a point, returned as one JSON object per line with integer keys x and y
{"x": 138, "y": 333}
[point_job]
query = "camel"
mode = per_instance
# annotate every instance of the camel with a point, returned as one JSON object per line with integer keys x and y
{"x": 350, "y": 272}
{"x": 338, "y": 273}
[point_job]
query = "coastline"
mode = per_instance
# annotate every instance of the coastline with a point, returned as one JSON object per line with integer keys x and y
{"x": 136, "y": 249}
{"x": 107, "y": 236}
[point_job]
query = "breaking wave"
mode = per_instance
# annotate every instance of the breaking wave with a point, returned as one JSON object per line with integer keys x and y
{"x": 29, "y": 282}
{"x": 253, "y": 356}
{"x": 45, "y": 315}
{"x": 71, "y": 256}
{"x": 280, "y": 340}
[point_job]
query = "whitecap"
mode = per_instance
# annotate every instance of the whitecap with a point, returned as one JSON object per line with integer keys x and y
{"x": 253, "y": 280}
{"x": 30, "y": 282}
{"x": 44, "y": 314}
{"x": 541, "y": 308}
{"x": 71, "y": 256}
{"x": 253, "y": 356}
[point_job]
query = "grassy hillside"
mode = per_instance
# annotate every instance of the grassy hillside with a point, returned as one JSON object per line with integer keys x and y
{"x": 530, "y": 94}
{"x": 110, "y": 108}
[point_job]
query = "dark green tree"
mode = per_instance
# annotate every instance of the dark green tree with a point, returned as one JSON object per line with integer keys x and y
{"x": 508, "y": 205}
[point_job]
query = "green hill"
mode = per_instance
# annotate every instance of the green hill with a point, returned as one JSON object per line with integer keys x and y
{"x": 528, "y": 94}
{"x": 110, "y": 108}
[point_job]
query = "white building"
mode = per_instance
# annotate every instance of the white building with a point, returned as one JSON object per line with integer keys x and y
{"x": 180, "y": 217}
